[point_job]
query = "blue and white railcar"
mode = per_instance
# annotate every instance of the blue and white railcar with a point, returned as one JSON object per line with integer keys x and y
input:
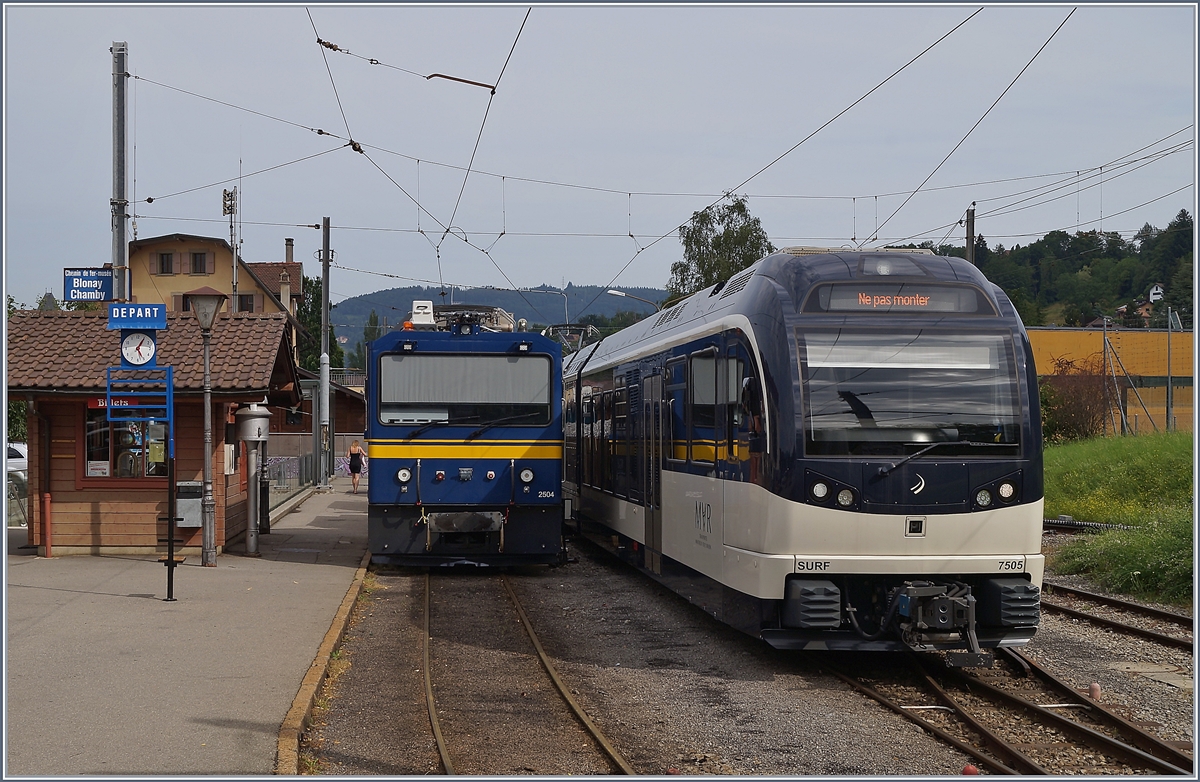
{"x": 464, "y": 442}
{"x": 829, "y": 450}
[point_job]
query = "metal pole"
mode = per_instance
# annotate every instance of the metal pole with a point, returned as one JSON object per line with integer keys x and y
{"x": 208, "y": 550}
{"x": 971, "y": 234}
{"x": 233, "y": 246}
{"x": 325, "y": 444}
{"x": 119, "y": 204}
{"x": 252, "y": 500}
{"x": 171, "y": 510}
{"x": 1170, "y": 390}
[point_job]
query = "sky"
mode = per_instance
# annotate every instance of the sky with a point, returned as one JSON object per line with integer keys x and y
{"x": 608, "y": 127}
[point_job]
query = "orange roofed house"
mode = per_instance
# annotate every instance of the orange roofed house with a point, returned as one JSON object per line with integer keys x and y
{"x": 162, "y": 269}
{"x": 107, "y": 481}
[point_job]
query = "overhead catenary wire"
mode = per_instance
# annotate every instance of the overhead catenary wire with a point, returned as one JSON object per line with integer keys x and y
{"x": 793, "y": 147}
{"x": 470, "y": 169}
{"x": 668, "y": 193}
{"x": 331, "y": 79}
{"x": 980, "y": 120}
{"x": 1013, "y": 208}
{"x": 483, "y": 124}
{"x": 152, "y": 199}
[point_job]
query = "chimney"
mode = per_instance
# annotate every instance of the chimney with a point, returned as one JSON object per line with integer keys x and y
{"x": 285, "y": 287}
{"x": 287, "y": 250}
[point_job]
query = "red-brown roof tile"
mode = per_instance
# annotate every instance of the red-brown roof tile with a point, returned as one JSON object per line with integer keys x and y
{"x": 71, "y": 351}
{"x": 269, "y": 273}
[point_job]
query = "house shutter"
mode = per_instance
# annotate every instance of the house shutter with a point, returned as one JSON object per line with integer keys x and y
{"x": 176, "y": 302}
{"x": 177, "y": 263}
{"x": 210, "y": 262}
{"x": 258, "y": 302}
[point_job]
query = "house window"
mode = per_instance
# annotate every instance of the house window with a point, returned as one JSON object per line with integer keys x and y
{"x": 125, "y": 449}
{"x": 245, "y": 302}
{"x": 186, "y": 303}
{"x": 199, "y": 263}
{"x": 166, "y": 263}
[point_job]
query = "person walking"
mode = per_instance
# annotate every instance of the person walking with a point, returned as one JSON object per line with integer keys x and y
{"x": 357, "y": 459}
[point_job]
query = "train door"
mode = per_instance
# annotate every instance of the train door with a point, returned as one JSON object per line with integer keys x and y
{"x": 650, "y": 477}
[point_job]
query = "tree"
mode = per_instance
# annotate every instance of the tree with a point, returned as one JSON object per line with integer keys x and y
{"x": 371, "y": 332}
{"x": 16, "y": 422}
{"x": 309, "y": 315}
{"x": 717, "y": 243}
{"x": 608, "y": 325}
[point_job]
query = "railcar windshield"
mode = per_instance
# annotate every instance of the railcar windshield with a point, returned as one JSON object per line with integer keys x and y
{"x": 482, "y": 389}
{"x": 896, "y": 393}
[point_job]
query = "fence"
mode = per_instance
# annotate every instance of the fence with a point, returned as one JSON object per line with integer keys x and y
{"x": 291, "y": 467}
{"x": 1146, "y": 375}
{"x": 17, "y": 490}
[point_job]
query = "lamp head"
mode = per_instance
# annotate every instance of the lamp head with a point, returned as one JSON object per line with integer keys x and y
{"x": 205, "y": 302}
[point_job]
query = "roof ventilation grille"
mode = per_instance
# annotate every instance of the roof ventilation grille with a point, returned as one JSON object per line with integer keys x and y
{"x": 737, "y": 283}
{"x": 667, "y": 316}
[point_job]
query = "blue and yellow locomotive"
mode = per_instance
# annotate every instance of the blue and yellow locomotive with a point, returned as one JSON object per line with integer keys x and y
{"x": 464, "y": 437}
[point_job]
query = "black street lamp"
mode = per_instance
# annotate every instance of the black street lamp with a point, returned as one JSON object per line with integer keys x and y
{"x": 206, "y": 302}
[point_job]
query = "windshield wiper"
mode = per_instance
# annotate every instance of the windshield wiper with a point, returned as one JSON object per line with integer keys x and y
{"x": 928, "y": 448}
{"x": 490, "y": 424}
{"x": 431, "y": 424}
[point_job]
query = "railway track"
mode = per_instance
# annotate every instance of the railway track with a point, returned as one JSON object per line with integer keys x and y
{"x": 1015, "y": 718}
{"x": 1163, "y": 627}
{"x": 466, "y": 747}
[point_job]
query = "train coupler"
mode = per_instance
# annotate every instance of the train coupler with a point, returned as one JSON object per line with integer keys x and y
{"x": 937, "y": 609}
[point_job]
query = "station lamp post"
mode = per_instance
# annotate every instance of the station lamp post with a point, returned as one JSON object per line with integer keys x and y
{"x": 205, "y": 302}
{"x": 631, "y": 296}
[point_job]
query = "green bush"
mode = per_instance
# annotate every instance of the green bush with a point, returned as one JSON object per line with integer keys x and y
{"x": 1144, "y": 482}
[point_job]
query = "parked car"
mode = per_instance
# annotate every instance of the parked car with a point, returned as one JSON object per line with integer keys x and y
{"x": 18, "y": 457}
{"x": 16, "y": 486}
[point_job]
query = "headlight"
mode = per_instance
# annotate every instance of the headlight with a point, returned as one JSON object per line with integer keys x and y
{"x": 845, "y": 498}
{"x": 404, "y": 475}
{"x": 1007, "y": 491}
{"x": 820, "y": 490}
{"x": 527, "y": 475}
{"x": 983, "y": 498}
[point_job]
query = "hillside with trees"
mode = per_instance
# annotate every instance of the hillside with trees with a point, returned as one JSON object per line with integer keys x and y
{"x": 1071, "y": 279}
{"x": 540, "y": 306}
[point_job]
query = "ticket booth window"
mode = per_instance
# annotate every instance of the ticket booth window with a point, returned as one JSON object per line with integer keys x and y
{"x": 125, "y": 449}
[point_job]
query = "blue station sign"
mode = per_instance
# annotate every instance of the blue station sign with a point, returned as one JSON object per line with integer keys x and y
{"x": 144, "y": 317}
{"x": 87, "y": 284}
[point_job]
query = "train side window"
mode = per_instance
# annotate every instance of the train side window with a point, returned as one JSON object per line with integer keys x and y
{"x": 620, "y": 434}
{"x": 606, "y": 442}
{"x": 586, "y": 454}
{"x": 702, "y": 408}
{"x": 676, "y": 385}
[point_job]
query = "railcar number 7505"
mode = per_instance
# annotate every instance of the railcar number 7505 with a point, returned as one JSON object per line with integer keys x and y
{"x": 1012, "y": 564}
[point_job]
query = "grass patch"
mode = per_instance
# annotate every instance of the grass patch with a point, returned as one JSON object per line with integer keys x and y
{"x": 1144, "y": 482}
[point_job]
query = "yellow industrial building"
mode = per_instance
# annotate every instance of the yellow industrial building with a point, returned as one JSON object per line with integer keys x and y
{"x": 1142, "y": 365}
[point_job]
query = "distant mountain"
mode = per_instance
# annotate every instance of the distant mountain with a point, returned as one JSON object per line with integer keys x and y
{"x": 540, "y": 306}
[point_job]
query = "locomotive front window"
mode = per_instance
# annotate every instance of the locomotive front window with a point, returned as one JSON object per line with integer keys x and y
{"x": 464, "y": 389}
{"x": 893, "y": 394}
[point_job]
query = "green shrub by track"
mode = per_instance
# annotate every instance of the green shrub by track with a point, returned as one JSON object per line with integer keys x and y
{"x": 1144, "y": 482}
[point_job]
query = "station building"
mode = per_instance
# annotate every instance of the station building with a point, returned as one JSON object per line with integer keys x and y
{"x": 103, "y": 485}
